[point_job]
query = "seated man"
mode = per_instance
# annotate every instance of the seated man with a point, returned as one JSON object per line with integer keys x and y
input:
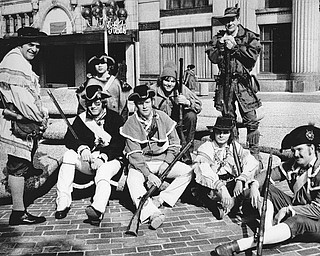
{"x": 151, "y": 144}
{"x": 168, "y": 100}
{"x": 295, "y": 215}
{"x": 215, "y": 169}
{"x": 95, "y": 149}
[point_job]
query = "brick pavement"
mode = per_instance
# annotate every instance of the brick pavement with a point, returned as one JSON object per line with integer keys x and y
{"x": 187, "y": 230}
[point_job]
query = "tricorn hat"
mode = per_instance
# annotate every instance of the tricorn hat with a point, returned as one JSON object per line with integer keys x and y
{"x": 230, "y": 12}
{"x": 306, "y": 134}
{"x": 103, "y": 58}
{"x": 223, "y": 123}
{"x": 141, "y": 92}
{"x": 94, "y": 90}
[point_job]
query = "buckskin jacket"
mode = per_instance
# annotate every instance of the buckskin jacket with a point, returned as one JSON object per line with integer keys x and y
{"x": 243, "y": 57}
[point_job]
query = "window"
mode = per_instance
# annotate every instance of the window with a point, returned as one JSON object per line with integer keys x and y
{"x": 278, "y": 3}
{"x": 189, "y": 44}
{"x": 180, "y": 4}
{"x": 15, "y": 21}
{"x": 276, "y": 48}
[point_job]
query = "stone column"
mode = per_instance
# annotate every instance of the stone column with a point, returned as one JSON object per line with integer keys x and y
{"x": 305, "y": 43}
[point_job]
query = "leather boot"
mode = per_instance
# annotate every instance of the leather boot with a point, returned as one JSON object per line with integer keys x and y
{"x": 227, "y": 249}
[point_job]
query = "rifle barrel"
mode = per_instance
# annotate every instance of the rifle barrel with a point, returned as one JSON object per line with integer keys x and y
{"x": 264, "y": 207}
{"x": 62, "y": 114}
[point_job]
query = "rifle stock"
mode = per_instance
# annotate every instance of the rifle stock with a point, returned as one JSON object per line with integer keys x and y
{"x": 260, "y": 235}
{"x": 133, "y": 226}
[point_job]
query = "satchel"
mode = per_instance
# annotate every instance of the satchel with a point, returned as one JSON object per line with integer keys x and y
{"x": 24, "y": 130}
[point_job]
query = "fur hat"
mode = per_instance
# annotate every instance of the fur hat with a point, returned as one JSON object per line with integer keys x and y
{"x": 141, "y": 92}
{"x": 306, "y": 134}
{"x": 169, "y": 69}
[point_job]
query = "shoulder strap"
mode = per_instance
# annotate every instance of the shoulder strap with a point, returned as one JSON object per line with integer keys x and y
{"x": 109, "y": 83}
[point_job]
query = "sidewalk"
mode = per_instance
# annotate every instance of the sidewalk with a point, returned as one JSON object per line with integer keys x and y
{"x": 188, "y": 230}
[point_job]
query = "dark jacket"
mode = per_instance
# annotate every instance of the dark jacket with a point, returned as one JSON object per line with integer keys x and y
{"x": 242, "y": 60}
{"x": 112, "y": 124}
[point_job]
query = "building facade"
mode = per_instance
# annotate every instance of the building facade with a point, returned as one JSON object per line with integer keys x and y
{"x": 156, "y": 31}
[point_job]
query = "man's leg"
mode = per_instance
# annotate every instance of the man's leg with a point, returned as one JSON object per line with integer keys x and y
{"x": 251, "y": 122}
{"x": 103, "y": 189}
{"x": 135, "y": 182}
{"x": 71, "y": 162}
{"x": 182, "y": 175}
{"x": 17, "y": 170}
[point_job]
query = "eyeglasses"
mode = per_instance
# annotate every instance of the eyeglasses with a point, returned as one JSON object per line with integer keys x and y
{"x": 96, "y": 103}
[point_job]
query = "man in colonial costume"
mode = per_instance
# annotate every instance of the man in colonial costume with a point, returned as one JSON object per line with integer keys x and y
{"x": 23, "y": 119}
{"x": 221, "y": 184}
{"x": 97, "y": 151}
{"x": 152, "y": 143}
{"x": 294, "y": 215}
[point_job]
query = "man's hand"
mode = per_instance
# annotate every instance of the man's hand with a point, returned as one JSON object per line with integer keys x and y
{"x": 181, "y": 99}
{"x": 238, "y": 188}
{"x": 153, "y": 180}
{"x": 86, "y": 155}
{"x": 255, "y": 196}
{"x": 280, "y": 215}
{"x": 226, "y": 199}
{"x": 162, "y": 167}
{"x": 96, "y": 164}
{"x": 228, "y": 41}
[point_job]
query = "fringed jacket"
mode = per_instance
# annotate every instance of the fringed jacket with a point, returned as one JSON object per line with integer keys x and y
{"x": 212, "y": 162}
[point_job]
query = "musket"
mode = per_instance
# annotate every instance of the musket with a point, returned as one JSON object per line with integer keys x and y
{"x": 235, "y": 153}
{"x": 180, "y": 123}
{"x": 260, "y": 233}
{"x": 133, "y": 226}
{"x": 62, "y": 114}
{"x": 227, "y": 95}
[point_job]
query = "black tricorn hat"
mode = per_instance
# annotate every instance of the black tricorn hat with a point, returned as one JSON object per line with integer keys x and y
{"x": 306, "y": 134}
{"x": 230, "y": 12}
{"x": 94, "y": 90}
{"x": 141, "y": 92}
{"x": 223, "y": 123}
{"x": 103, "y": 58}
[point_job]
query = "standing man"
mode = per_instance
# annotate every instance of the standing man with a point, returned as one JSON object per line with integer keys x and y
{"x": 235, "y": 50}
{"x": 152, "y": 143}
{"x": 100, "y": 69}
{"x": 167, "y": 99}
{"x": 97, "y": 152}
{"x": 23, "y": 110}
{"x": 294, "y": 215}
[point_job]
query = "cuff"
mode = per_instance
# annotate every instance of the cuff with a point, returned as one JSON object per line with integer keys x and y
{"x": 81, "y": 148}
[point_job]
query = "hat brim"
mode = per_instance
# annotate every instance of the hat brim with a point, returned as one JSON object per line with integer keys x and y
{"x": 92, "y": 94}
{"x": 231, "y": 15}
{"x": 137, "y": 97}
{"x": 211, "y": 128}
{"x": 107, "y": 59}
